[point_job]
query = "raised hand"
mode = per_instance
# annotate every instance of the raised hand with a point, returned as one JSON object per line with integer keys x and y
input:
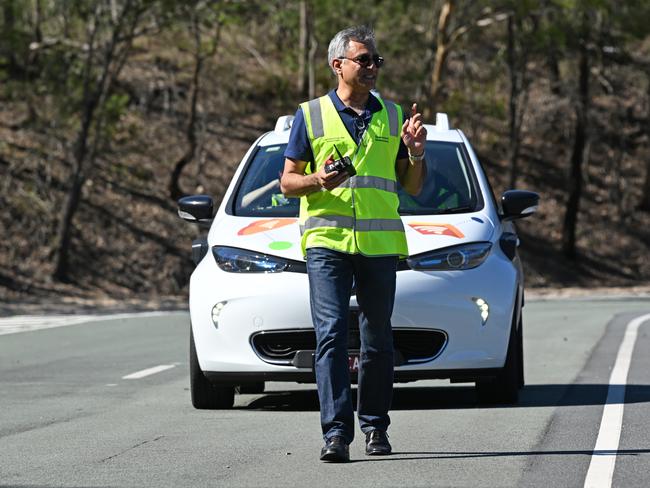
{"x": 414, "y": 134}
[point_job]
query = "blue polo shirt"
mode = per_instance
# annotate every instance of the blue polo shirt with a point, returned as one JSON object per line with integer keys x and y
{"x": 299, "y": 147}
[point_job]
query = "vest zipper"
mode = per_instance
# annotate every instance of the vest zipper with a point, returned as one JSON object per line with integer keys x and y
{"x": 354, "y": 221}
{"x": 354, "y": 210}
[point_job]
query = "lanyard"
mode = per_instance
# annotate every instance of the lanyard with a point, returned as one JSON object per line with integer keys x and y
{"x": 363, "y": 127}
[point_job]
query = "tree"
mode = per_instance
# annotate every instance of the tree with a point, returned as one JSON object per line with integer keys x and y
{"x": 200, "y": 16}
{"x": 448, "y": 30}
{"x": 8, "y": 35}
{"x": 109, "y": 35}
{"x": 516, "y": 61}
{"x": 614, "y": 26}
{"x": 581, "y": 109}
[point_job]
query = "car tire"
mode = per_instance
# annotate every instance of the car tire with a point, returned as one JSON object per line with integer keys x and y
{"x": 520, "y": 344}
{"x": 205, "y": 395}
{"x": 251, "y": 388}
{"x": 504, "y": 388}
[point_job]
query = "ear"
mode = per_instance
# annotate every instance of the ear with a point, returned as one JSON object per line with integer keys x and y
{"x": 336, "y": 65}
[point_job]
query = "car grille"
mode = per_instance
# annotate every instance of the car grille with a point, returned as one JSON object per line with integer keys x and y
{"x": 411, "y": 345}
{"x": 281, "y": 346}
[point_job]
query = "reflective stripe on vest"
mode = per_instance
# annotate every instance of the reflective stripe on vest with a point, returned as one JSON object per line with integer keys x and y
{"x": 359, "y": 216}
{"x": 316, "y": 118}
{"x": 370, "y": 182}
{"x": 362, "y": 225}
{"x": 393, "y": 120}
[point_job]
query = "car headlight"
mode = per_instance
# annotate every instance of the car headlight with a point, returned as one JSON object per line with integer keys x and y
{"x": 466, "y": 256}
{"x": 235, "y": 260}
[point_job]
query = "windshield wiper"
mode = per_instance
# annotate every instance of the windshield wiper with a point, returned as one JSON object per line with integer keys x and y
{"x": 454, "y": 210}
{"x": 437, "y": 211}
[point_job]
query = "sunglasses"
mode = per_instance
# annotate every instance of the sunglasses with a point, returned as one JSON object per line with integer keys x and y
{"x": 366, "y": 60}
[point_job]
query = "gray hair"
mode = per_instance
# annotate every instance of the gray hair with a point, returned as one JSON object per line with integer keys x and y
{"x": 341, "y": 42}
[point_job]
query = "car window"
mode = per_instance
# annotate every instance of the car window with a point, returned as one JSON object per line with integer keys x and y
{"x": 449, "y": 186}
{"x": 259, "y": 193}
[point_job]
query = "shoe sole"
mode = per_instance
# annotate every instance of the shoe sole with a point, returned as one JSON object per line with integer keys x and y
{"x": 378, "y": 453}
{"x": 332, "y": 458}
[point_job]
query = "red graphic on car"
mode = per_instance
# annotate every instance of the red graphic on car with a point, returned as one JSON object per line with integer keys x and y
{"x": 431, "y": 229}
{"x": 264, "y": 225}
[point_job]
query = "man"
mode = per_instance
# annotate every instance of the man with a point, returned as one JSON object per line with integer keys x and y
{"x": 352, "y": 233}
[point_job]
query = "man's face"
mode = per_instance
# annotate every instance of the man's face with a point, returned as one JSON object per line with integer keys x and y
{"x": 353, "y": 73}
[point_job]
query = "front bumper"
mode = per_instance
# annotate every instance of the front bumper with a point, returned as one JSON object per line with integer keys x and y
{"x": 441, "y": 301}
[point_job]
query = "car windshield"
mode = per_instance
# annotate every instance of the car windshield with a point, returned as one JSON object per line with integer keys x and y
{"x": 448, "y": 188}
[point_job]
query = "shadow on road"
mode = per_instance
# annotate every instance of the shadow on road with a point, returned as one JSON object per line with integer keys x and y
{"x": 417, "y": 455}
{"x": 431, "y": 398}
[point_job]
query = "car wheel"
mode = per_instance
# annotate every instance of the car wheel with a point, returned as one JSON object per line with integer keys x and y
{"x": 505, "y": 387}
{"x": 251, "y": 388}
{"x": 204, "y": 394}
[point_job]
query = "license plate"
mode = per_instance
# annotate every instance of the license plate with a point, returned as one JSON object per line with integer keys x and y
{"x": 353, "y": 363}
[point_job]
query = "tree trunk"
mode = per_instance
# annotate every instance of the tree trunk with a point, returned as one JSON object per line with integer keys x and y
{"x": 552, "y": 53}
{"x": 577, "y": 156}
{"x": 38, "y": 19}
{"x": 9, "y": 29}
{"x": 311, "y": 62}
{"x": 517, "y": 59}
{"x": 175, "y": 191}
{"x": 441, "y": 52}
{"x": 303, "y": 49}
{"x": 514, "y": 96}
{"x": 64, "y": 230}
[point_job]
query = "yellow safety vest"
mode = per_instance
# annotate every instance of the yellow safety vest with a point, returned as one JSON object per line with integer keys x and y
{"x": 360, "y": 216}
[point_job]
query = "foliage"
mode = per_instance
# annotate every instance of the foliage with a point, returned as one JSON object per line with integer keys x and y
{"x": 53, "y": 62}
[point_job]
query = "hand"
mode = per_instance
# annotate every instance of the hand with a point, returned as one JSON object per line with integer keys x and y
{"x": 414, "y": 134}
{"x": 329, "y": 181}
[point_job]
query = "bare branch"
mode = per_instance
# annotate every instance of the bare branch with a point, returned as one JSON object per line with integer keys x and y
{"x": 258, "y": 57}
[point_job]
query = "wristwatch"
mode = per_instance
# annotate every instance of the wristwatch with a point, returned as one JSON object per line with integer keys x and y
{"x": 416, "y": 158}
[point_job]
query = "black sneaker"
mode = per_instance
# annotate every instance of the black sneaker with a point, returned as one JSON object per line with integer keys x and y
{"x": 335, "y": 450}
{"x": 377, "y": 443}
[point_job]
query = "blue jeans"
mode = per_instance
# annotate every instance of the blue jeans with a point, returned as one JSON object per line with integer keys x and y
{"x": 331, "y": 275}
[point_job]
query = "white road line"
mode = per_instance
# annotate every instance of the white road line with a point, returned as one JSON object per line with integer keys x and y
{"x": 27, "y": 323}
{"x": 601, "y": 468}
{"x": 148, "y": 372}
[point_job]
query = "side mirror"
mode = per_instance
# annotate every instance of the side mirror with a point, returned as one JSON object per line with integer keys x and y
{"x": 196, "y": 208}
{"x": 516, "y": 204}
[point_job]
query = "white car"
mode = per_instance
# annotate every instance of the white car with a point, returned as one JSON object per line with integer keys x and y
{"x": 459, "y": 295}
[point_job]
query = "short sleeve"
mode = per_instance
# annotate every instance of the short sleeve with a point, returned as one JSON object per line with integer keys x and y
{"x": 299, "y": 147}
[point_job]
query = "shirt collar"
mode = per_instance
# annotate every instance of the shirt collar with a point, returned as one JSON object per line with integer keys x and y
{"x": 372, "y": 106}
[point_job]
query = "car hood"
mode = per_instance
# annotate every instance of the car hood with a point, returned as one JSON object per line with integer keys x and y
{"x": 281, "y": 236}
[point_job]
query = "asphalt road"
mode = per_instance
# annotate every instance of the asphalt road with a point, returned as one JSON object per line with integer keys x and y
{"x": 105, "y": 403}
